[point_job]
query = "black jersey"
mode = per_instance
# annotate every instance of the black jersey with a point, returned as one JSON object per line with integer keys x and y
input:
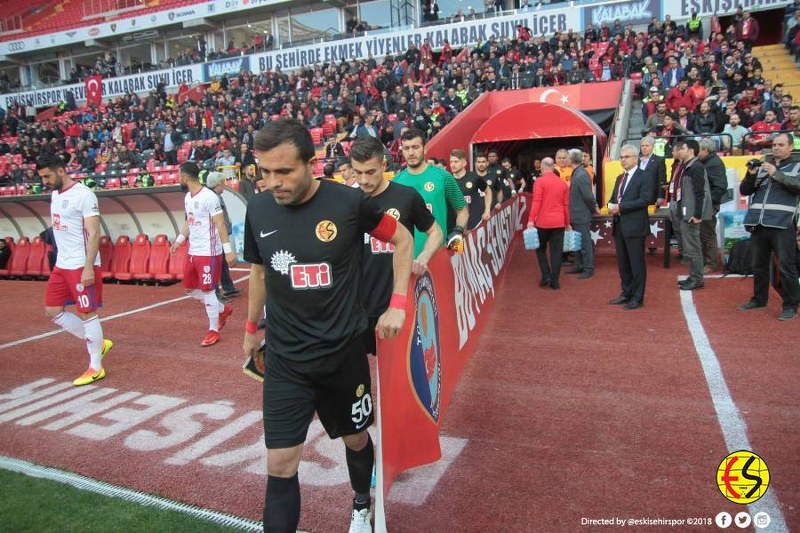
{"x": 312, "y": 260}
{"x": 473, "y": 187}
{"x": 407, "y": 206}
{"x": 497, "y": 178}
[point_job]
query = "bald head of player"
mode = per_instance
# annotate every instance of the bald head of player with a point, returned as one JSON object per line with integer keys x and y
{"x": 286, "y": 156}
{"x": 53, "y": 171}
{"x": 368, "y": 165}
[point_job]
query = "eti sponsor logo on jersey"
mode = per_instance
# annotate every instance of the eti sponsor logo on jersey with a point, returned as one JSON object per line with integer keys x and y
{"x": 302, "y": 275}
{"x": 424, "y": 356}
{"x": 326, "y": 231}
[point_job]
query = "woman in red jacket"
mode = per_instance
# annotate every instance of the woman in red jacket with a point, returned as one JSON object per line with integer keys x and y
{"x": 550, "y": 215}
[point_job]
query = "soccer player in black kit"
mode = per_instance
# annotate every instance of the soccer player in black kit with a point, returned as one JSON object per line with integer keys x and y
{"x": 304, "y": 241}
{"x": 400, "y": 202}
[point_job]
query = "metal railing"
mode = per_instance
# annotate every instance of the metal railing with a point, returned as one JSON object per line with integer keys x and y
{"x": 757, "y": 141}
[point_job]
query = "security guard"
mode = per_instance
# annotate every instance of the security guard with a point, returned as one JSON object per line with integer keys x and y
{"x": 774, "y": 190}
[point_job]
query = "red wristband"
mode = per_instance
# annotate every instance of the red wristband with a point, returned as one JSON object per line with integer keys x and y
{"x": 250, "y": 327}
{"x": 398, "y": 301}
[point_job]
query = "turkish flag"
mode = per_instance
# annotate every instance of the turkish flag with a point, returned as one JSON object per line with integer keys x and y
{"x": 94, "y": 90}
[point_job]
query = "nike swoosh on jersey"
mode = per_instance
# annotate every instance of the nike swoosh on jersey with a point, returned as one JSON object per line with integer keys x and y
{"x": 265, "y": 235}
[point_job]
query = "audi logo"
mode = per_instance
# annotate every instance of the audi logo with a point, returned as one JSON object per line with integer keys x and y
{"x": 16, "y": 46}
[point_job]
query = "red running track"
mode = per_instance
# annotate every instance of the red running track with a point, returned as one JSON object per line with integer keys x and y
{"x": 569, "y": 409}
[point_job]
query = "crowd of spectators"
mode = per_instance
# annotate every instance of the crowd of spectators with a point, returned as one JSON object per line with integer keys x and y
{"x": 690, "y": 83}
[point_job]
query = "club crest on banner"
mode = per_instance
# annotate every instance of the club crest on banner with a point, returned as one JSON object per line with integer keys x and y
{"x": 424, "y": 355}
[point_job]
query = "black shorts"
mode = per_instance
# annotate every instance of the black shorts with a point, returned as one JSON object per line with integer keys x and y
{"x": 369, "y": 336}
{"x": 338, "y": 387}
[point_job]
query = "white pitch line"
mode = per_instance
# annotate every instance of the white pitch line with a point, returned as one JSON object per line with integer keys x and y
{"x": 107, "y": 489}
{"x": 734, "y": 428}
{"x": 104, "y": 319}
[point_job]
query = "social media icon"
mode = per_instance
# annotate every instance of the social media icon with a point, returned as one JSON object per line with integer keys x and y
{"x": 742, "y": 520}
{"x": 723, "y": 520}
{"x": 761, "y": 520}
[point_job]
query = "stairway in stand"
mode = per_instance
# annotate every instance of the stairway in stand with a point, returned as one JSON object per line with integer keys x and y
{"x": 780, "y": 67}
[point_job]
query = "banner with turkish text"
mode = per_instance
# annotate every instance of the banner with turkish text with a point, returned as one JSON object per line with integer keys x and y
{"x": 447, "y": 309}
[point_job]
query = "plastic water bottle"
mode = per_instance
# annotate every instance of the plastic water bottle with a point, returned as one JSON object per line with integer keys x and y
{"x": 531, "y": 238}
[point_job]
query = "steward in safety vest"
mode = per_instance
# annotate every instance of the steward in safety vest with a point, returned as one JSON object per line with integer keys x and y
{"x": 774, "y": 200}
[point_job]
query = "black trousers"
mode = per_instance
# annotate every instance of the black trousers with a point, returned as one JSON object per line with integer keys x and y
{"x": 554, "y": 239}
{"x": 764, "y": 242}
{"x": 631, "y": 265}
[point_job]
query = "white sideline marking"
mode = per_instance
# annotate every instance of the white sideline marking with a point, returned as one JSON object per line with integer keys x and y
{"x": 107, "y": 489}
{"x": 734, "y": 429}
{"x": 104, "y": 319}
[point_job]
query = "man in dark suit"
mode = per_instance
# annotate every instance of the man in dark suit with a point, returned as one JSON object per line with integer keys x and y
{"x": 633, "y": 192}
{"x": 655, "y": 167}
{"x": 582, "y": 206}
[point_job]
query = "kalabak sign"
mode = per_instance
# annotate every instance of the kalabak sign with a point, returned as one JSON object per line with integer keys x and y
{"x": 226, "y": 67}
{"x": 447, "y": 310}
{"x": 633, "y": 12}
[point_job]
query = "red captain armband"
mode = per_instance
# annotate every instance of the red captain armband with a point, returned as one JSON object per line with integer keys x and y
{"x": 398, "y": 301}
{"x": 250, "y": 327}
{"x": 385, "y": 229}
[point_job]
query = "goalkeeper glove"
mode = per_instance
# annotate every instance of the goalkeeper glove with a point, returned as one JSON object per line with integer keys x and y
{"x": 455, "y": 241}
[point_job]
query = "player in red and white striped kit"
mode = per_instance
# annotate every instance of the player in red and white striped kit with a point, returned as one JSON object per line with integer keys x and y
{"x": 76, "y": 277}
{"x": 208, "y": 239}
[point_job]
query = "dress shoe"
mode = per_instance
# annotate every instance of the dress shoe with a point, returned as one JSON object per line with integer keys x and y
{"x": 633, "y": 304}
{"x": 586, "y": 274}
{"x": 619, "y": 301}
{"x": 752, "y": 304}
{"x": 789, "y": 313}
{"x": 692, "y": 286}
{"x": 555, "y": 286}
{"x": 544, "y": 282}
{"x": 575, "y": 271}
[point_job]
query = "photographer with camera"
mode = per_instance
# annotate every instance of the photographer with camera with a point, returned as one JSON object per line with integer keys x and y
{"x": 774, "y": 189}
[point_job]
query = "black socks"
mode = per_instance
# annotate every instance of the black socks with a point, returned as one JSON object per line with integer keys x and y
{"x": 282, "y": 505}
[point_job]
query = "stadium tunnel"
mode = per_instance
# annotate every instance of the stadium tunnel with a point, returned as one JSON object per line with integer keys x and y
{"x": 530, "y": 124}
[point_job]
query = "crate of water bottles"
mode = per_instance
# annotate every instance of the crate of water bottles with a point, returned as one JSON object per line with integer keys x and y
{"x": 531, "y": 238}
{"x": 572, "y": 241}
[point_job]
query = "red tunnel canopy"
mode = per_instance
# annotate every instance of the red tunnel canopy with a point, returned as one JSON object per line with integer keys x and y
{"x": 534, "y": 120}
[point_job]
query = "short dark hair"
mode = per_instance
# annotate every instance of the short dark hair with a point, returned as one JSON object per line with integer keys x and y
{"x": 53, "y": 162}
{"x": 190, "y": 170}
{"x": 287, "y": 130}
{"x": 789, "y": 137}
{"x": 328, "y": 170}
{"x": 692, "y": 145}
{"x": 411, "y": 134}
{"x": 366, "y": 148}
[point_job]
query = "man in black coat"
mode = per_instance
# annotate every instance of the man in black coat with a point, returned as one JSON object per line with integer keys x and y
{"x": 718, "y": 181}
{"x": 633, "y": 192}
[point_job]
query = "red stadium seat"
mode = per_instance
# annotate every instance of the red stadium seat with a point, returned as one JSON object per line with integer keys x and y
{"x": 159, "y": 259}
{"x": 18, "y": 264}
{"x": 37, "y": 254}
{"x": 106, "y": 249}
{"x": 112, "y": 183}
{"x": 176, "y": 263}
{"x": 316, "y": 135}
{"x": 140, "y": 253}
{"x": 121, "y": 259}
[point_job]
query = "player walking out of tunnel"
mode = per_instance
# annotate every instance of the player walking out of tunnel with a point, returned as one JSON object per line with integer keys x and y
{"x": 208, "y": 239}
{"x": 304, "y": 241}
{"x": 75, "y": 217}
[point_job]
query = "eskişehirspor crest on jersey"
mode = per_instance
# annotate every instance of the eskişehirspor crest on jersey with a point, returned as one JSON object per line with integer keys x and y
{"x": 281, "y": 260}
{"x": 424, "y": 357}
